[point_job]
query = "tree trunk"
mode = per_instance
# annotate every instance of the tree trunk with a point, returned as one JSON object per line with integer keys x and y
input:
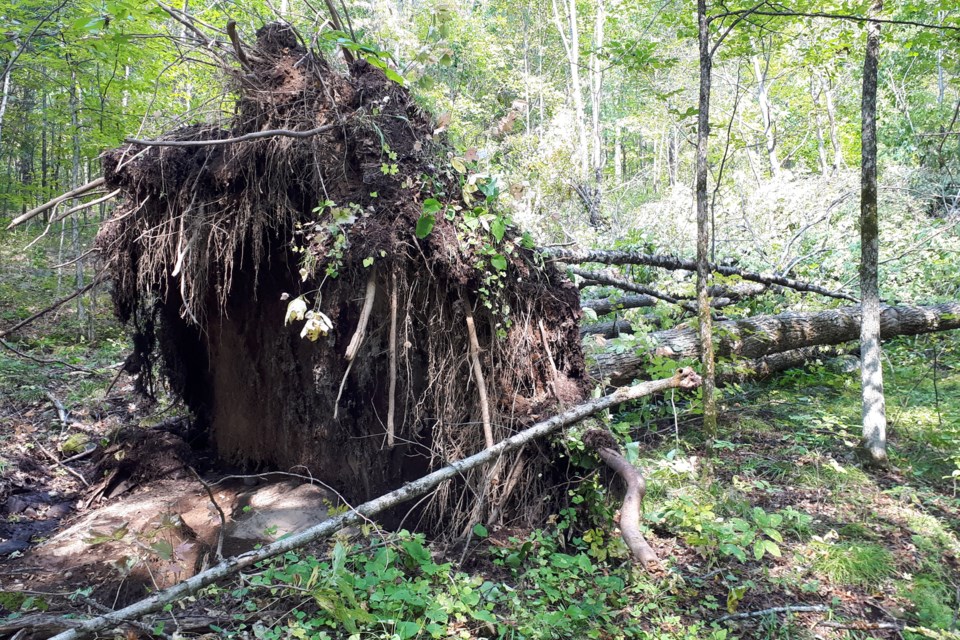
{"x": 832, "y": 118}
{"x": 874, "y": 410}
{"x": 704, "y": 271}
{"x": 769, "y": 133}
{"x": 758, "y": 337}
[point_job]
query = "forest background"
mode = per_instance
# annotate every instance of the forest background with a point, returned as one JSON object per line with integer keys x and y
{"x": 585, "y": 114}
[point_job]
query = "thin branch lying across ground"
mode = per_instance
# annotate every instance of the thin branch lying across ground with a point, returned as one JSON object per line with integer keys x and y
{"x": 79, "y": 292}
{"x": 684, "y": 378}
{"x": 814, "y": 608}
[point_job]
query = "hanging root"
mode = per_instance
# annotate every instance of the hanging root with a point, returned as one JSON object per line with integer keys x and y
{"x": 608, "y": 450}
{"x": 392, "y": 398}
{"x": 478, "y": 373}
{"x": 361, "y": 331}
{"x": 358, "y": 335}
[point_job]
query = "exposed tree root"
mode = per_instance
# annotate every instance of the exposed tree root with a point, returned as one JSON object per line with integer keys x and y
{"x": 606, "y": 447}
{"x": 478, "y": 373}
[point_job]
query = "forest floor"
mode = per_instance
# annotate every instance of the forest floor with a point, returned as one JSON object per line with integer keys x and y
{"x": 775, "y": 513}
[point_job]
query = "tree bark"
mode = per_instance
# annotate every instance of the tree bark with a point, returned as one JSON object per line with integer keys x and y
{"x": 758, "y": 337}
{"x": 874, "y": 442}
{"x": 704, "y": 271}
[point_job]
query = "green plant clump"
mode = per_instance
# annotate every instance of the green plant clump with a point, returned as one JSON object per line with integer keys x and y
{"x": 853, "y": 563}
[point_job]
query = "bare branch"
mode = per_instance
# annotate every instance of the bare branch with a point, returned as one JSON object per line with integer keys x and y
{"x": 90, "y": 186}
{"x": 270, "y": 133}
{"x": 674, "y": 263}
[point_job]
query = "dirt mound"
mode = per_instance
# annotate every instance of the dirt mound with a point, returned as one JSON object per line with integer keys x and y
{"x": 418, "y": 320}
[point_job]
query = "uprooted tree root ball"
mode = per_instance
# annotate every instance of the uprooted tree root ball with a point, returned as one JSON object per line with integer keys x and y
{"x": 419, "y": 324}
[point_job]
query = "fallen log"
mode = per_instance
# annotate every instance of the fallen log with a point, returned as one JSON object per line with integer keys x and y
{"x": 759, "y": 337}
{"x": 683, "y": 378}
{"x": 674, "y": 263}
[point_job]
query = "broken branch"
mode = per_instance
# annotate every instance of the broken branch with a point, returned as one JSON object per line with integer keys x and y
{"x": 270, "y": 133}
{"x": 86, "y": 205}
{"x": 50, "y": 204}
{"x": 674, "y": 263}
{"x": 683, "y": 378}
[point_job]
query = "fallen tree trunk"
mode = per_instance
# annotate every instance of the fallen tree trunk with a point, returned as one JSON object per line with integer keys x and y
{"x": 683, "y": 378}
{"x": 674, "y": 263}
{"x": 755, "y": 338}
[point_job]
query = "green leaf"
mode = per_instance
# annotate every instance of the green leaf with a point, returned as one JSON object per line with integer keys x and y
{"x": 425, "y": 225}
{"x": 393, "y": 75}
{"x": 405, "y": 629}
{"x": 484, "y": 616}
{"x": 771, "y": 548}
{"x": 498, "y": 227}
{"x": 431, "y": 205}
{"x": 758, "y": 549}
{"x": 480, "y": 531}
{"x": 499, "y": 262}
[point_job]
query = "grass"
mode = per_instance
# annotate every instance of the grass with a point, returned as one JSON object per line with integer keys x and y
{"x": 852, "y": 563}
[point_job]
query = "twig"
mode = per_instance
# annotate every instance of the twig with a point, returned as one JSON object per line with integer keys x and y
{"x": 79, "y": 292}
{"x": 270, "y": 133}
{"x": 816, "y": 608}
{"x": 860, "y": 625}
{"x": 685, "y": 378}
{"x": 86, "y": 205}
{"x": 478, "y": 373}
{"x": 52, "y": 203}
{"x": 392, "y": 397}
{"x": 61, "y": 410}
{"x": 83, "y": 454}
{"x": 77, "y": 259}
{"x": 56, "y": 460}
{"x": 216, "y": 505}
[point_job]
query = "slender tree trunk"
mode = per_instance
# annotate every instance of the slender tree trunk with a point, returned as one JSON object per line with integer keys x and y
{"x": 4, "y": 100}
{"x": 766, "y": 112}
{"x": 75, "y": 177}
{"x": 832, "y": 118}
{"x": 571, "y": 46}
{"x": 874, "y": 410}
{"x": 703, "y": 228}
{"x": 596, "y": 95}
{"x": 816, "y": 90}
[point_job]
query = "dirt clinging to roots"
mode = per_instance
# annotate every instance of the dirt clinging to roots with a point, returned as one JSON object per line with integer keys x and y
{"x": 212, "y": 242}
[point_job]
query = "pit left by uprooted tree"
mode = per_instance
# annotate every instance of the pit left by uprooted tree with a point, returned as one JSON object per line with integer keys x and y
{"x": 338, "y": 290}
